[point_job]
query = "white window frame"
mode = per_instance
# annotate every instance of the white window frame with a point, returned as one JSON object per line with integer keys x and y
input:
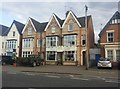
{"x": 67, "y": 38}
{"x": 107, "y": 36}
{"x": 30, "y": 31}
{"x": 53, "y": 29}
{"x": 70, "y": 24}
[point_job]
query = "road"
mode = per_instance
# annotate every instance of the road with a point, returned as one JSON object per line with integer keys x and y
{"x": 30, "y": 79}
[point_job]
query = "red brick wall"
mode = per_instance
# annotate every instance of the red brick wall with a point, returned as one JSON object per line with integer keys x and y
{"x": 116, "y": 33}
{"x": 90, "y": 33}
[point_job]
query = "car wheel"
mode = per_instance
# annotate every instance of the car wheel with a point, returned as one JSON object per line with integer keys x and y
{"x": 34, "y": 64}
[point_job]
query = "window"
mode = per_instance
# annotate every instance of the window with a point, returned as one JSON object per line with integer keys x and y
{"x": 69, "y": 40}
{"x": 51, "y": 41}
{"x": 117, "y": 54}
{"x": 39, "y": 43}
{"x": 11, "y": 44}
{"x": 43, "y": 42}
{"x": 51, "y": 55}
{"x": 27, "y": 43}
{"x": 26, "y": 53}
{"x": 113, "y": 21}
{"x": 29, "y": 31}
{"x": 118, "y": 20}
{"x": 2, "y": 44}
{"x": 69, "y": 55}
{"x": 53, "y": 29}
{"x": 110, "y": 36}
{"x": 13, "y": 33}
{"x": 83, "y": 39}
{"x": 110, "y": 54}
{"x": 70, "y": 27}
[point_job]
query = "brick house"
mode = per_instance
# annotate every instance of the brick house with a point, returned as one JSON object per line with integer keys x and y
{"x": 65, "y": 39}
{"x": 32, "y": 37}
{"x": 110, "y": 38}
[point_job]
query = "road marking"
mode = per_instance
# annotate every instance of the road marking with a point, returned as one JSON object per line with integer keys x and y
{"x": 111, "y": 81}
{"x": 53, "y": 76}
{"x": 80, "y": 79}
{"x": 71, "y": 75}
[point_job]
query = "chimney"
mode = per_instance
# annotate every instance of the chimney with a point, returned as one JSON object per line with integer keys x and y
{"x": 67, "y": 13}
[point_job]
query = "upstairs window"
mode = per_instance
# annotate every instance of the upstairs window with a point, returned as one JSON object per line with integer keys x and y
{"x": 2, "y": 44}
{"x": 110, "y": 36}
{"x": 30, "y": 31}
{"x": 13, "y": 33}
{"x": 83, "y": 40}
{"x": 53, "y": 29}
{"x": 70, "y": 27}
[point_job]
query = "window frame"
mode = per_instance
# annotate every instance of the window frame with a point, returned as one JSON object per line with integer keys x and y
{"x": 110, "y": 37}
{"x": 69, "y": 27}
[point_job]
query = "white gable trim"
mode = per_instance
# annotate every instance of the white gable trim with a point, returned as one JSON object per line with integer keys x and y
{"x": 27, "y": 24}
{"x": 51, "y": 20}
{"x": 73, "y": 17}
{"x": 11, "y": 29}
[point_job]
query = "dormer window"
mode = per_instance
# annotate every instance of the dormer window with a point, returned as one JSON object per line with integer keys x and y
{"x": 70, "y": 27}
{"x": 29, "y": 31}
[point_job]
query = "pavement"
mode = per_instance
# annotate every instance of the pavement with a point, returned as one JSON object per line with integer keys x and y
{"x": 60, "y": 69}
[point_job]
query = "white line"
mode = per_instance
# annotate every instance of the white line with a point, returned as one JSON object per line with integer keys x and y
{"x": 71, "y": 75}
{"x": 53, "y": 76}
{"x": 80, "y": 79}
{"x": 110, "y": 81}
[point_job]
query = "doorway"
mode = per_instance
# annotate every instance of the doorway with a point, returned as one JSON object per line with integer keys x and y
{"x": 84, "y": 57}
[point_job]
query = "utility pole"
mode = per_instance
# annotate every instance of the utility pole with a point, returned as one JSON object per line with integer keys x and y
{"x": 87, "y": 57}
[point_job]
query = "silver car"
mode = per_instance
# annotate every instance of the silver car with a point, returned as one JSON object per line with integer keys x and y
{"x": 104, "y": 62}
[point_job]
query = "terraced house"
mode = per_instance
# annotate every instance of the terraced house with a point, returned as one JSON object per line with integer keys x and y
{"x": 14, "y": 44}
{"x": 33, "y": 38}
{"x": 110, "y": 38}
{"x": 66, "y": 39}
{"x": 3, "y": 36}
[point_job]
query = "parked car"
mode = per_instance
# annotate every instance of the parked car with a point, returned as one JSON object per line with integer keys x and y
{"x": 104, "y": 63}
{"x": 7, "y": 60}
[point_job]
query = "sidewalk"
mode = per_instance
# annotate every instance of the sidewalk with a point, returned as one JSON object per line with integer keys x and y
{"x": 74, "y": 70}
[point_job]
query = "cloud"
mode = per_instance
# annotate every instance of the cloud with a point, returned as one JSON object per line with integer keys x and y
{"x": 41, "y": 11}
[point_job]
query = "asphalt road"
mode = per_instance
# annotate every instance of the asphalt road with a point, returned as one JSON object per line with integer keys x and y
{"x": 28, "y": 79}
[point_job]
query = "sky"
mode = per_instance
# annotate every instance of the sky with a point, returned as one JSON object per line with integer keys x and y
{"x": 42, "y": 11}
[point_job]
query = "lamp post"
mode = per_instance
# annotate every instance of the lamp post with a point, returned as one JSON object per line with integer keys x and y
{"x": 87, "y": 57}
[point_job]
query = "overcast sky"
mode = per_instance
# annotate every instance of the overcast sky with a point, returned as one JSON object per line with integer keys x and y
{"x": 41, "y": 11}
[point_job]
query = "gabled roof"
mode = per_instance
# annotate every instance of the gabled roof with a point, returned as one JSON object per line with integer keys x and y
{"x": 38, "y": 27}
{"x": 36, "y": 24}
{"x": 18, "y": 25}
{"x": 74, "y": 16}
{"x": 58, "y": 20}
{"x": 3, "y": 30}
{"x": 81, "y": 20}
{"x": 115, "y": 16}
{"x": 42, "y": 26}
